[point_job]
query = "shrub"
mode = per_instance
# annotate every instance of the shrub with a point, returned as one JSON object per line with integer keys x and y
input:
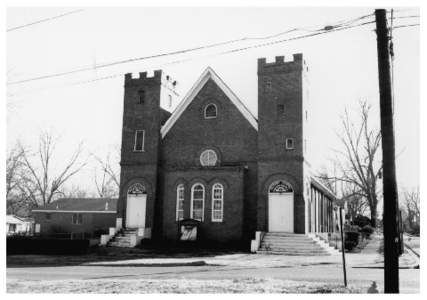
{"x": 361, "y": 221}
{"x": 367, "y": 229}
{"x": 351, "y": 240}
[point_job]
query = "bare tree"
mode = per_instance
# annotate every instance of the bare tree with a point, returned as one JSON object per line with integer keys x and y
{"x": 14, "y": 169}
{"x": 359, "y": 165}
{"x": 17, "y": 201}
{"x": 412, "y": 208}
{"x": 347, "y": 194}
{"x": 39, "y": 184}
{"x": 108, "y": 182}
{"x": 74, "y": 191}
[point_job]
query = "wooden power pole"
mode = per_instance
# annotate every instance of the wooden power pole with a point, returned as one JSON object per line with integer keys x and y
{"x": 391, "y": 254}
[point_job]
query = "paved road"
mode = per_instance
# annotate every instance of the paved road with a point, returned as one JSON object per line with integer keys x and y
{"x": 409, "y": 278}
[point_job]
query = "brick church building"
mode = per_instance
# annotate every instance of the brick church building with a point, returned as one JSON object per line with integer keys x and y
{"x": 213, "y": 161}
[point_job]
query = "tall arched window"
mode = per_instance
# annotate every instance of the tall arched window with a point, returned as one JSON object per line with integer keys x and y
{"x": 180, "y": 202}
{"x": 210, "y": 111}
{"x": 197, "y": 202}
{"x": 217, "y": 202}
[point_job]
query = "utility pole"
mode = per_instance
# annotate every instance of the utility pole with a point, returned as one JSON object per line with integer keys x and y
{"x": 391, "y": 254}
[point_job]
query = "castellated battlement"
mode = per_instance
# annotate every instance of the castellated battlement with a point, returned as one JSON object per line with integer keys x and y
{"x": 280, "y": 65}
{"x": 158, "y": 76}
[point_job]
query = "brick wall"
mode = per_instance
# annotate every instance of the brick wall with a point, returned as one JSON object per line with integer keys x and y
{"x": 232, "y": 179}
{"x": 280, "y": 116}
{"x": 230, "y": 135}
{"x": 141, "y": 166}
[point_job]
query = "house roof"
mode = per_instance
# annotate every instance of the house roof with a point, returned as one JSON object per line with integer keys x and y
{"x": 209, "y": 73}
{"x": 94, "y": 205}
{"x": 323, "y": 188}
{"x": 12, "y": 219}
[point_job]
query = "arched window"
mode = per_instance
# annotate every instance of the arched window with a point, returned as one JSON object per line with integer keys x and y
{"x": 137, "y": 189}
{"x": 210, "y": 111}
{"x": 280, "y": 187}
{"x": 180, "y": 202}
{"x": 197, "y": 202}
{"x": 208, "y": 158}
{"x": 217, "y": 202}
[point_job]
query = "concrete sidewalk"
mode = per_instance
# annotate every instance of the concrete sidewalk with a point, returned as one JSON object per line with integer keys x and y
{"x": 372, "y": 257}
{"x": 369, "y": 257}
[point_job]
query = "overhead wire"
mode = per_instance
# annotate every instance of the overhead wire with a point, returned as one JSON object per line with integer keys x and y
{"x": 183, "y": 51}
{"x": 325, "y": 30}
{"x": 314, "y": 33}
{"x": 44, "y": 20}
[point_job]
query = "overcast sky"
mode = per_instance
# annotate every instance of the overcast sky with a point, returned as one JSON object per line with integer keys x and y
{"x": 342, "y": 70}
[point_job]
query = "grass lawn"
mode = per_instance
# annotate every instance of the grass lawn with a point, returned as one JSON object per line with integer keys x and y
{"x": 248, "y": 285}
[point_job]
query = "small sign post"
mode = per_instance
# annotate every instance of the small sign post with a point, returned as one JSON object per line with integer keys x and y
{"x": 343, "y": 247}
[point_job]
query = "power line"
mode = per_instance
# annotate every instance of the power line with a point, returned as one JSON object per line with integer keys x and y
{"x": 88, "y": 68}
{"x": 44, "y": 20}
{"x": 210, "y": 55}
{"x": 408, "y": 25}
{"x": 314, "y": 33}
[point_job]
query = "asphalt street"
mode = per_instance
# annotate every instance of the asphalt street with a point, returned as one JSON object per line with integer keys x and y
{"x": 409, "y": 278}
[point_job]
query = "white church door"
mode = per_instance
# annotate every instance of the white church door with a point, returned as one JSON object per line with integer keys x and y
{"x": 280, "y": 207}
{"x": 136, "y": 206}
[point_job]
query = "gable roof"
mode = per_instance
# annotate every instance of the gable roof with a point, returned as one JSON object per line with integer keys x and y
{"x": 104, "y": 205}
{"x": 209, "y": 73}
{"x": 12, "y": 219}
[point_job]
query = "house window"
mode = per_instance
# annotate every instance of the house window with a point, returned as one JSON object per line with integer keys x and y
{"x": 77, "y": 219}
{"x": 208, "y": 158}
{"x": 141, "y": 98}
{"x": 217, "y": 202}
{"x": 210, "y": 111}
{"x": 197, "y": 202}
{"x": 180, "y": 202}
{"x": 139, "y": 141}
{"x": 48, "y": 216}
{"x": 280, "y": 109}
{"x": 290, "y": 144}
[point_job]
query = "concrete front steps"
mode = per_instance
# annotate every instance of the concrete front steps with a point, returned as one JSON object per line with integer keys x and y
{"x": 290, "y": 244}
{"x": 124, "y": 238}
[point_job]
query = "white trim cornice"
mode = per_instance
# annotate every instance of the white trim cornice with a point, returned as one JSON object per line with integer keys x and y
{"x": 209, "y": 73}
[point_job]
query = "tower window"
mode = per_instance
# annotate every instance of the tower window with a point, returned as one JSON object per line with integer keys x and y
{"x": 210, "y": 111}
{"x": 290, "y": 143}
{"x": 268, "y": 85}
{"x": 280, "y": 109}
{"x": 141, "y": 94}
{"x": 170, "y": 100}
{"x": 139, "y": 141}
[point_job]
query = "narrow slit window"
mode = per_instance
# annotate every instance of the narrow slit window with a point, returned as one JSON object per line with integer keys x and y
{"x": 141, "y": 98}
{"x": 280, "y": 109}
{"x": 139, "y": 141}
{"x": 290, "y": 144}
